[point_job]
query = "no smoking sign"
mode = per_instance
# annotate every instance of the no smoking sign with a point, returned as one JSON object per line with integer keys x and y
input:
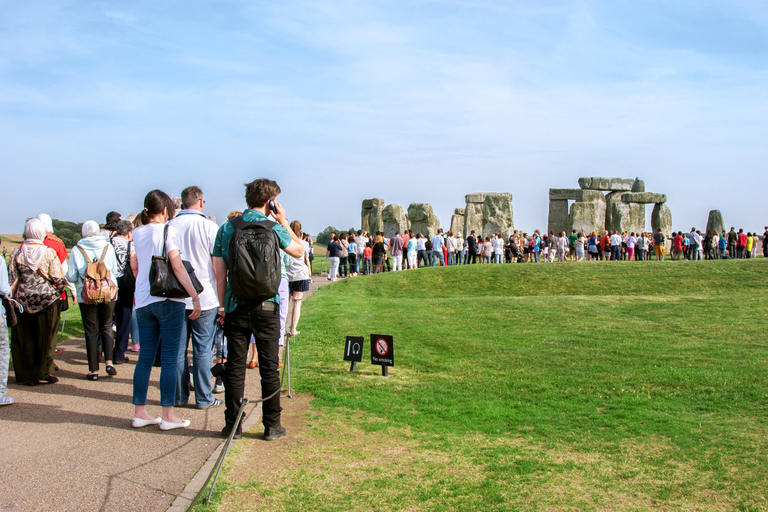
{"x": 382, "y": 350}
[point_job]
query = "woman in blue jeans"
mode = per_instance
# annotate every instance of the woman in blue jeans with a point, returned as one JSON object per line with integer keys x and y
{"x": 159, "y": 318}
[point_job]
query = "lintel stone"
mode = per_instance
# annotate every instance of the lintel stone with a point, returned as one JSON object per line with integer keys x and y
{"x": 644, "y": 198}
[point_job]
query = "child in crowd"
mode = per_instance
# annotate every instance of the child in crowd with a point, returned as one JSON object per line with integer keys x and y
{"x": 368, "y": 259}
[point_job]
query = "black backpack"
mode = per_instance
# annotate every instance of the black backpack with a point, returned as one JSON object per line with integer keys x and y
{"x": 254, "y": 260}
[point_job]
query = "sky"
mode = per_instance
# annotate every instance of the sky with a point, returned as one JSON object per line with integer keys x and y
{"x": 410, "y": 101}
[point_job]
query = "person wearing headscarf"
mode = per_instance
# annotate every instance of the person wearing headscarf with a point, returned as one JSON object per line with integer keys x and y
{"x": 36, "y": 283}
{"x": 57, "y": 245}
{"x": 97, "y": 318}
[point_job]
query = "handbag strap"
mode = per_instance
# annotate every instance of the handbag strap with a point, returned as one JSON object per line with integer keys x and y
{"x": 165, "y": 236}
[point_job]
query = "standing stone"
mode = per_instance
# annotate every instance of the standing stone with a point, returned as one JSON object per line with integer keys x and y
{"x": 628, "y": 217}
{"x": 371, "y": 207}
{"x": 497, "y": 214}
{"x": 588, "y": 219}
{"x": 473, "y": 213}
{"x": 584, "y": 217}
{"x": 715, "y": 221}
{"x": 638, "y": 185}
{"x": 457, "y": 221}
{"x": 394, "y": 220}
{"x": 558, "y": 216}
{"x": 661, "y": 217}
{"x": 423, "y": 219}
{"x": 610, "y": 199}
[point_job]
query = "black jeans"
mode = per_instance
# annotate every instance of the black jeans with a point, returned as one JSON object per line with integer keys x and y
{"x": 343, "y": 266}
{"x": 123, "y": 314}
{"x": 263, "y": 321}
{"x": 97, "y": 319}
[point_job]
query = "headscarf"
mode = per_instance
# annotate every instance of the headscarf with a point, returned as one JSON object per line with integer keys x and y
{"x": 47, "y": 222}
{"x": 33, "y": 248}
{"x": 90, "y": 228}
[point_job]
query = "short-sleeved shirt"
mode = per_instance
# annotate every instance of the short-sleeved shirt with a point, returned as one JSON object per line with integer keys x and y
{"x": 659, "y": 239}
{"x": 572, "y": 240}
{"x": 148, "y": 242}
{"x": 221, "y": 250}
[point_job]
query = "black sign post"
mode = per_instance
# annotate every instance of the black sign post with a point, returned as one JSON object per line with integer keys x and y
{"x": 353, "y": 351}
{"x": 382, "y": 352}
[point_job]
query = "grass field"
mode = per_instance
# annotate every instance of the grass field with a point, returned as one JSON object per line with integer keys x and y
{"x": 593, "y": 386}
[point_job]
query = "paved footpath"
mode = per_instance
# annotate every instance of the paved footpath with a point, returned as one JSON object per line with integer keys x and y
{"x": 70, "y": 446}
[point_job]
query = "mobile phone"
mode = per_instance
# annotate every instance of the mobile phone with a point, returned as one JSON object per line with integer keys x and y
{"x": 272, "y": 207}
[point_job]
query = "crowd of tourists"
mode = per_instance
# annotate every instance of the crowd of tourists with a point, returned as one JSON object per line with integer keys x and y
{"x": 156, "y": 283}
{"x": 359, "y": 253}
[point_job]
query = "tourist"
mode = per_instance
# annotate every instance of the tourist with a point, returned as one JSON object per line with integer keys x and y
{"x": 298, "y": 278}
{"x": 351, "y": 255}
{"x": 111, "y": 225}
{"x": 343, "y": 255}
{"x": 734, "y": 242}
{"x": 630, "y": 243}
{"x": 751, "y": 245}
{"x": 126, "y": 283}
{"x": 332, "y": 254}
{"x": 396, "y": 249}
{"x": 160, "y": 320}
{"x": 605, "y": 245}
{"x": 243, "y": 318}
{"x": 421, "y": 250}
{"x": 581, "y": 246}
{"x": 615, "y": 246}
{"x": 97, "y": 317}
{"x": 378, "y": 254}
{"x": 5, "y": 348}
{"x": 562, "y": 246}
{"x": 196, "y": 238}
{"x": 545, "y": 249}
{"x": 437, "y": 248}
{"x": 572, "y": 245}
{"x": 57, "y": 245}
{"x": 487, "y": 250}
{"x": 361, "y": 242}
{"x": 368, "y": 259}
{"x": 765, "y": 242}
{"x": 471, "y": 248}
{"x": 593, "y": 248}
{"x": 39, "y": 282}
{"x": 658, "y": 243}
{"x": 723, "y": 245}
{"x": 677, "y": 246}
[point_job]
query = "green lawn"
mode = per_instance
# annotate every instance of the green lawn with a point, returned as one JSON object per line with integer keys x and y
{"x": 592, "y": 386}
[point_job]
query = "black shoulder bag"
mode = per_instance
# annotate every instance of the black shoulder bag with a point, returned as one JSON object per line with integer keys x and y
{"x": 162, "y": 280}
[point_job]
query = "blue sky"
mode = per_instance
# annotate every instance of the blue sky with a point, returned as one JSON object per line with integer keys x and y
{"x": 417, "y": 101}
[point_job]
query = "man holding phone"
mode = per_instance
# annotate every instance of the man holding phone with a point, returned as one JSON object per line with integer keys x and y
{"x": 242, "y": 318}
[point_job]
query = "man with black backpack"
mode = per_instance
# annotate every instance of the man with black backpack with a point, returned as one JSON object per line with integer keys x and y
{"x": 246, "y": 259}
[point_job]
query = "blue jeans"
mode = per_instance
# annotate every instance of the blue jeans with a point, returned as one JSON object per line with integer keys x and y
{"x": 451, "y": 258}
{"x": 134, "y": 329}
{"x": 422, "y": 256}
{"x": 200, "y": 331}
{"x": 159, "y": 319}
{"x": 437, "y": 256}
{"x": 499, "y": 258}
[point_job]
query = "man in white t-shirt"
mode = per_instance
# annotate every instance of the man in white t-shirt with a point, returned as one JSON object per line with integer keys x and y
{"x": 361, "y": 240}
{"x": 196, "y": 235}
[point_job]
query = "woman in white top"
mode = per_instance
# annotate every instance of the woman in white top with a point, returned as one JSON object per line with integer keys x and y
{"x": 159, "y": 318}
{"x": 298, "y": 278}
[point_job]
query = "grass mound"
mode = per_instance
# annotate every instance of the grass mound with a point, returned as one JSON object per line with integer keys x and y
{"x": 570, "y": 386}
